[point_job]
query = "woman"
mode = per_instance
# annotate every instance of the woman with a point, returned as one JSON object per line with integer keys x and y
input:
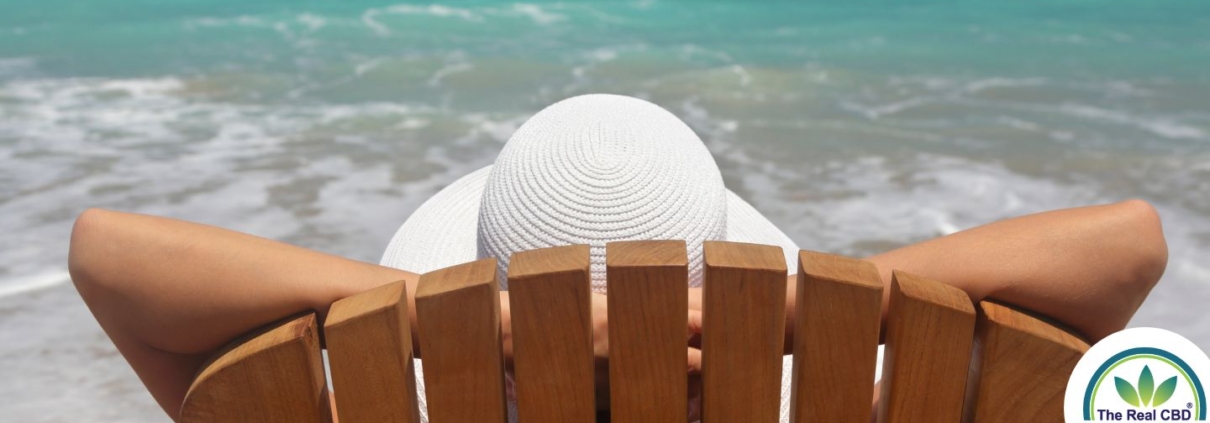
{"x": 587, "y": 170}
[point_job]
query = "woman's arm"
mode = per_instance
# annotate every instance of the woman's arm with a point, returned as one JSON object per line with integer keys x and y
{"x": 169, "y": 293}
{"x": 1088, "y": 267}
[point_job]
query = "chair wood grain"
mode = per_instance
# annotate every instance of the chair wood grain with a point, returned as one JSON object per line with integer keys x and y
{"x": 743, "y": 332}
{"x": 928, "y": 346}
{"x": 551, "y": 313}
{"x": 648, "y": 309}
{"x": 272, "y": 375}
{"x": 839, "y": 315}
{"x": 458, "y": 316}
{"x": 370, "y": 354}
{"x": 946, "y": 360}
{"x": 1020, "y": 367}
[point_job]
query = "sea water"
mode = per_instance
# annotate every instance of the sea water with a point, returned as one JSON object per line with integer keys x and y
{"x": 855, "y": 126}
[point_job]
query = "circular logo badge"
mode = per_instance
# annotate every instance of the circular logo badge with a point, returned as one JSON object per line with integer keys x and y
{"x": 1139, "y": 374}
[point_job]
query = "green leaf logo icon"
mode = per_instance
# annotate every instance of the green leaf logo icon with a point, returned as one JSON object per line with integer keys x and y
{"x": 1164, "y": 392}
{"x": 1147, "y": 393}
{"x": 1126, "y": 391}
{"x": 1146, "y": 386}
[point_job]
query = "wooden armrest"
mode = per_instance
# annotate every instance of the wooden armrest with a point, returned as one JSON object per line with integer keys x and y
{"x": 271, "y": 375}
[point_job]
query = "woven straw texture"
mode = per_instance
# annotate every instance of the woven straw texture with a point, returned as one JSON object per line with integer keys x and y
{"x": 588, "y": 170}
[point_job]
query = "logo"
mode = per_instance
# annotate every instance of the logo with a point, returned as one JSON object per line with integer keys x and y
{"x": 1139, "y": 374}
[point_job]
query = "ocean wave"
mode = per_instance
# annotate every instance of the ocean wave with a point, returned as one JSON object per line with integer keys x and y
{"x": 242, "y": 20}
{"x": 370, "y": 16}
{"x": 1163, "y": 127}
{"x": 311, "y": 21}
{"x": 862, "y": 204}
{"x": 876, "y": 111}
{"x": 536, "y": 13}
{"x": 17, "y": 66}
{"x": 435, "y": 80}
{"x": 308, "y": 21}
{"x": 603, "y": 54}
{"x": 303, "y": 173}
{"x": 16, "y": 286}
{"x": 1021, "y": 98}
{"x": 298, "y": 29}
{"x": 436, "y": 10}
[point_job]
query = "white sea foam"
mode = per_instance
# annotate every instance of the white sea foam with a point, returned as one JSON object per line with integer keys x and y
{"x": 1018, "y": 123}
{"x": 369, "y": 18}
{"x": 1167, "y": 128}
{"x": 364, "y": 67}
{"x": 691, "y": 51}
{"x": 311, "y": 21}
{"x": 447, "y": 70}
{"x": 879, "y": 110}
{"x": 537, "y": 13}
{"x": 907, "y": 93}
{"x": 14, "y": 286}
{"x": 987, "y": 83}
{"x": 588, "y": 61}
{"x": 435, "y": 10}
{"x": 602, "y": 54}
{"x": 152, "y": 146}
{"x": 242, "y": 20}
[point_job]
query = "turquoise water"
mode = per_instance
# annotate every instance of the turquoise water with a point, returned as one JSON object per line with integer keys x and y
{"x": 1136, "y": 39}
{"x": 855, "y": 127}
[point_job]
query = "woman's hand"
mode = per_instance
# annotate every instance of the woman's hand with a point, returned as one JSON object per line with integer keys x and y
{"x": 695, "y": 362}
{"x": 600, "y": 348}
{"x": 599, "y": 315}
{"x": 599, "y": 308}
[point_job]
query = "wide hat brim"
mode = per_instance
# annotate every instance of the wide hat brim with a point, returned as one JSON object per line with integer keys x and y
{"x": 444, "y": 231}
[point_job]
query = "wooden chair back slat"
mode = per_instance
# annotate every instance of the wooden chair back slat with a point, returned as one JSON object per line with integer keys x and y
{"x": 648, "y": 308}
{"x": 273, "y": 375}
{"x": 551, "y": 314}
{"x": 928, "y": 346}
{"x": 743, "y": 332}
{"x": 837, "y": 320}
{"x": 458, "y": 317}
{"x": 1020, "y": 367}
{"x": 369, "y": 339}
{"x": 1018, "y": 372}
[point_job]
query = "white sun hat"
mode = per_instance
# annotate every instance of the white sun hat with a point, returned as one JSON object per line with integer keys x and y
{"x": 589, "y": 170}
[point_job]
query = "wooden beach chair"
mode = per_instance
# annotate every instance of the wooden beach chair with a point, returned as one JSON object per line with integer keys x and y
{"x": 947, "y": 360}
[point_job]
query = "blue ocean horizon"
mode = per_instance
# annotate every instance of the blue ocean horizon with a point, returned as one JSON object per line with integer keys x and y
{"x": 855, "y": 127}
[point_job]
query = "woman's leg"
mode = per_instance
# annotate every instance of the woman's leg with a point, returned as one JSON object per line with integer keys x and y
{"x": 169, "y": 293}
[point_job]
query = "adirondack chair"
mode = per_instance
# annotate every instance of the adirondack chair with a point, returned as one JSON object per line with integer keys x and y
{"x": 946, "y": 359}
